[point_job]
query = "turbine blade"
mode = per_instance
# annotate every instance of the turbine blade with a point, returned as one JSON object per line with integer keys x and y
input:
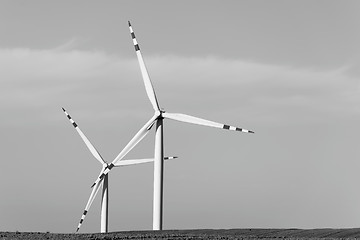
{"x": 190, "y": 119}
{"x": 138, "y": 161}
{"x": 90, "y": 201}
{"x": 92, "y": 149}
{"x": 148, "y": 85}
{"x": 135, "y": 140}
{"x": 133, "y": 162}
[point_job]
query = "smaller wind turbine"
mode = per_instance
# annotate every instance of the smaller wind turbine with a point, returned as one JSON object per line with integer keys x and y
{"x": 105, "y": 189}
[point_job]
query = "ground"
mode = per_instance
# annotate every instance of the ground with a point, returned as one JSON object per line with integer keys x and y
{"x": 252, "y": 234}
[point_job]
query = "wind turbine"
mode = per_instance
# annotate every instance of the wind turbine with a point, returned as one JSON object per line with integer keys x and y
{"x": 159, "y": 115}
{"x": 105, "y": 190}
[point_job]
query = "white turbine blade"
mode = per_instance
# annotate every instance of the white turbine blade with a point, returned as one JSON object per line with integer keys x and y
{"x": 133, "y": 162}
{"x": 92, "y": 149}
{"x": 138, "y": 161}
{"x": 135, "y": 140}
{"x": 148, "y": 85}
{"x": 190, "y": 119}
{"x": 90, "y": 201}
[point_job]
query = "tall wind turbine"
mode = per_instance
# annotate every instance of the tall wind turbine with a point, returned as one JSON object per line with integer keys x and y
{"x": 159, "y": 115}
{"x": 105, "y": 190}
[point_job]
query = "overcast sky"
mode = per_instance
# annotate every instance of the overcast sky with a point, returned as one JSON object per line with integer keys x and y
{"x": 288, "y": 70}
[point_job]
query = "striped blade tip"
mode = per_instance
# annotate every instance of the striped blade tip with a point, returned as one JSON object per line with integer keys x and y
{"x": 93, "y": 185}
{"x": 251, "y": 131}
{"x": 129, "y": 23}
{"x": 63, "y": 109}
{"x": 77, "y": 229}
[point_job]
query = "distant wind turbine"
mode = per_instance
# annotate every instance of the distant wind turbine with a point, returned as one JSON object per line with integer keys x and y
{"x": 158, "y": 117}
{"x": 105, "y": 190}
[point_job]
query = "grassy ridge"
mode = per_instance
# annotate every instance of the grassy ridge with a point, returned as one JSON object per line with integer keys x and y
{"x": 195, "y": 234}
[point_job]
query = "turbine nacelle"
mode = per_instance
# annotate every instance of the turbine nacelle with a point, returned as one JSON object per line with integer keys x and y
{"x": 161, "y": 112}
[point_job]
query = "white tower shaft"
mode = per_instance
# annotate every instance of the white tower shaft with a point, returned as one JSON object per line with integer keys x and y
{"x": 158, "y": 176}
{"x": 105, "y": 205}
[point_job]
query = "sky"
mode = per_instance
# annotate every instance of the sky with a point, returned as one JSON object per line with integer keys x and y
{"x": 288, "y": 70}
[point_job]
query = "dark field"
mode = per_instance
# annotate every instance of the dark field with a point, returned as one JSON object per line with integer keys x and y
{"x": 197, "y": 234}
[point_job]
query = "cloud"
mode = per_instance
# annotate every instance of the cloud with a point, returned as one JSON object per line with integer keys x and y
{"x": 40, "y": 78}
